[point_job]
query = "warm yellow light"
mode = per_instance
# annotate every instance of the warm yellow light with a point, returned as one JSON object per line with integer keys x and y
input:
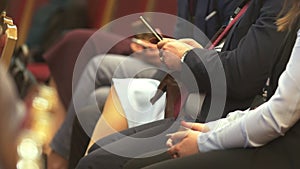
{"x": 29, "y": 149}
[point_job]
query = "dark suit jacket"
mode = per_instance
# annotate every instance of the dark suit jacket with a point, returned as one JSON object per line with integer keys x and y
{"x": 248, "y": 55}
{"x": 224, "y": 9}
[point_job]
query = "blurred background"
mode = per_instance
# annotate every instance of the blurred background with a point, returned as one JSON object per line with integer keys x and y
{"x": 41, "y": 22}
{"x": 36, "y": 51}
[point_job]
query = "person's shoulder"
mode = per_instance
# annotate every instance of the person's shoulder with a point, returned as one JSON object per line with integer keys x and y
{"x": 274, "y": 3}
{"x": 270, "y": 7}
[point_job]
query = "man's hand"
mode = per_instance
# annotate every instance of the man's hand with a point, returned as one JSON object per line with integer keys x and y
{"x": 184, "y": 143}
{"x": 172, "y": 51}
{"x": 187, "y": 146}
{"x": 56, "y": 161}
{"x": 174, "y": 47}
{"x": 146, "y": 51}
{"x": 191, "y": 42}
{"x": 172, "y": 61}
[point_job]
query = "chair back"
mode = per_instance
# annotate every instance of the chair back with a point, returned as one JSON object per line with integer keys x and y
{"x": 9, "y": 36}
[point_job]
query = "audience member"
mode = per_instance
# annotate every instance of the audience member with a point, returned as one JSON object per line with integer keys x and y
{"x": 273, "y": 126}
{"x": 224, "y": 11}
{"x": 243, "y": 70}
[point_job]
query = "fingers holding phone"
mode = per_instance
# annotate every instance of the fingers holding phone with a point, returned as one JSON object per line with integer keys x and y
{"x": 191, "y": 42}
{"x": 145, "y": 51}
{"x": 175, "y": 47}
{"x": 171, "y": 50}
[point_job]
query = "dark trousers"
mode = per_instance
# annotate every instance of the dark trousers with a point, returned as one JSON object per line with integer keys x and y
{"x": 282, "y": 152}
{"x": 278, "y": 154}
{"x": 149, "y": 138}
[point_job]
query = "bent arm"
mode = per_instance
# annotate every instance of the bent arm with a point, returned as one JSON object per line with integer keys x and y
{"x": 250, "y": 60}
{"x": 267, "y": 122}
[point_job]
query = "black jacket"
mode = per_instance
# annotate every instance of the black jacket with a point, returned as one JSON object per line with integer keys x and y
{"x": 202, "y": 8}
{"x": 249, "y": 53}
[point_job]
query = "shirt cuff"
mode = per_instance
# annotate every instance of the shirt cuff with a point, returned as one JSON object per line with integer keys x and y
{"x": 203, "y": 144}
{"x": 208, "y": 142}
{"x": 184, "y": 55}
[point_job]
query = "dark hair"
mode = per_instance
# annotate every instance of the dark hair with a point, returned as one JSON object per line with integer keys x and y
{"x": 289, "y": 15}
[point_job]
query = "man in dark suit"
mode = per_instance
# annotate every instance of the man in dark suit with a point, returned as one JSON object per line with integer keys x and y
{"x": 248, "y": 55}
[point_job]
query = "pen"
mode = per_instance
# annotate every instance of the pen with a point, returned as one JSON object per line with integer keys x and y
{"x": 208, "y": 17}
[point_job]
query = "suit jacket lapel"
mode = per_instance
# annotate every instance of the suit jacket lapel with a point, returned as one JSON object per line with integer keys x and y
{"x": 251, "y": 9}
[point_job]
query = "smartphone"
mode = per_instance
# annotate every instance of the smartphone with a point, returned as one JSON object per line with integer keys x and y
{"x": 151, "y": 29}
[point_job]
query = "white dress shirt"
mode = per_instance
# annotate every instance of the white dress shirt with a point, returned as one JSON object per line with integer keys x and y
{"x": 254, "y": 128}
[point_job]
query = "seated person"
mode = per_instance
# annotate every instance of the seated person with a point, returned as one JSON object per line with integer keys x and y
{"x": 86, "y": 86}
{"x": 273, "y": 126}
{"x": 123, "y": 106}
{"x": 220, "y": 18}
{"x": 250, "y": 76}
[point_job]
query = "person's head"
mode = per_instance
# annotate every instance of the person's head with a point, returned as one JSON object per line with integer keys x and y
{"x": 291, "y": 12}
{"x": 8, "y": 108}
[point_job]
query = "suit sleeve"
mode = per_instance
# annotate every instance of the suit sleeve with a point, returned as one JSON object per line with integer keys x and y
{"x": 265, "y": 123}
{"x": 246, "y": 67}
